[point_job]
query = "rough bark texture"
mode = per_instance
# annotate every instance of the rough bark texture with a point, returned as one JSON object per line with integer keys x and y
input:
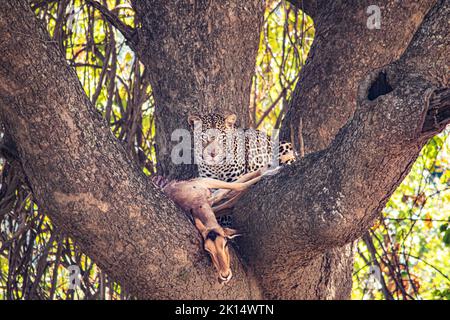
{"x": 343, "y": 52}
{"x": 296, "y": 222}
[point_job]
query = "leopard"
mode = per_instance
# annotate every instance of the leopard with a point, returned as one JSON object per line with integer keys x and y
{"x": 225, "y": 152}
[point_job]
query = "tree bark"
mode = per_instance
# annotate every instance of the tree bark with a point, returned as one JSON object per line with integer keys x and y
{"x": 294, "y": 222}
{"x": 343, "y": 52}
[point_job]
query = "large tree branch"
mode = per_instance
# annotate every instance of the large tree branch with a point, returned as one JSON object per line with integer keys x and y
{"x": 82, "y": 178}
{"x": 343, "y": 52}
{"x": 331, "y": 197}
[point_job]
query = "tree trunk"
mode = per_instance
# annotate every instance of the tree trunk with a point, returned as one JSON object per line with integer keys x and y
{"x": 201, "y": 59}
{"x": 367, "y": 107}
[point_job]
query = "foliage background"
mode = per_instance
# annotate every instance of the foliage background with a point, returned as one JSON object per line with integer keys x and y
{"x": 404, "y": 256}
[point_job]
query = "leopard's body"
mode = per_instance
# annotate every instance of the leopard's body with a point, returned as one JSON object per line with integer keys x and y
{"x": 234, "y": 151}
{"x": 224, "y": 152}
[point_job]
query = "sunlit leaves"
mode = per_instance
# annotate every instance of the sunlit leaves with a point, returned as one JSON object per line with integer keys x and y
{"x": 415, "y": 231}
{"x": 285, "y": 42}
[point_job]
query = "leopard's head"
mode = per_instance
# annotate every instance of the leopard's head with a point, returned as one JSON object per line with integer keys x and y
{"x": 210, "y": 133}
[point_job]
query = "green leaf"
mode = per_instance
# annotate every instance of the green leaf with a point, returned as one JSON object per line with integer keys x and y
{"x": 446, "y": 238}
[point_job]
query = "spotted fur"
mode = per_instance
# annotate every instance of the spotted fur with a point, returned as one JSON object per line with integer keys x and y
{"x": 224, "y": 152}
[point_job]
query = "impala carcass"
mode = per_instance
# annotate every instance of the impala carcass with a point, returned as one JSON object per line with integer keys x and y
{"x": 195, "y": 196}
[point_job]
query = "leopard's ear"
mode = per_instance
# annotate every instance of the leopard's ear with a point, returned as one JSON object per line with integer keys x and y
{"x": 192, "y": 119}
{"x": 230, "y": 120}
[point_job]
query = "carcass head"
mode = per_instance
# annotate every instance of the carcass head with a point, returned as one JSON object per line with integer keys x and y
{"x": 216, "y": 244}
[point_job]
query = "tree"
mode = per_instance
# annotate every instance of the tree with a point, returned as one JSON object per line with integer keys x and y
{"x": 366, "y": 103}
